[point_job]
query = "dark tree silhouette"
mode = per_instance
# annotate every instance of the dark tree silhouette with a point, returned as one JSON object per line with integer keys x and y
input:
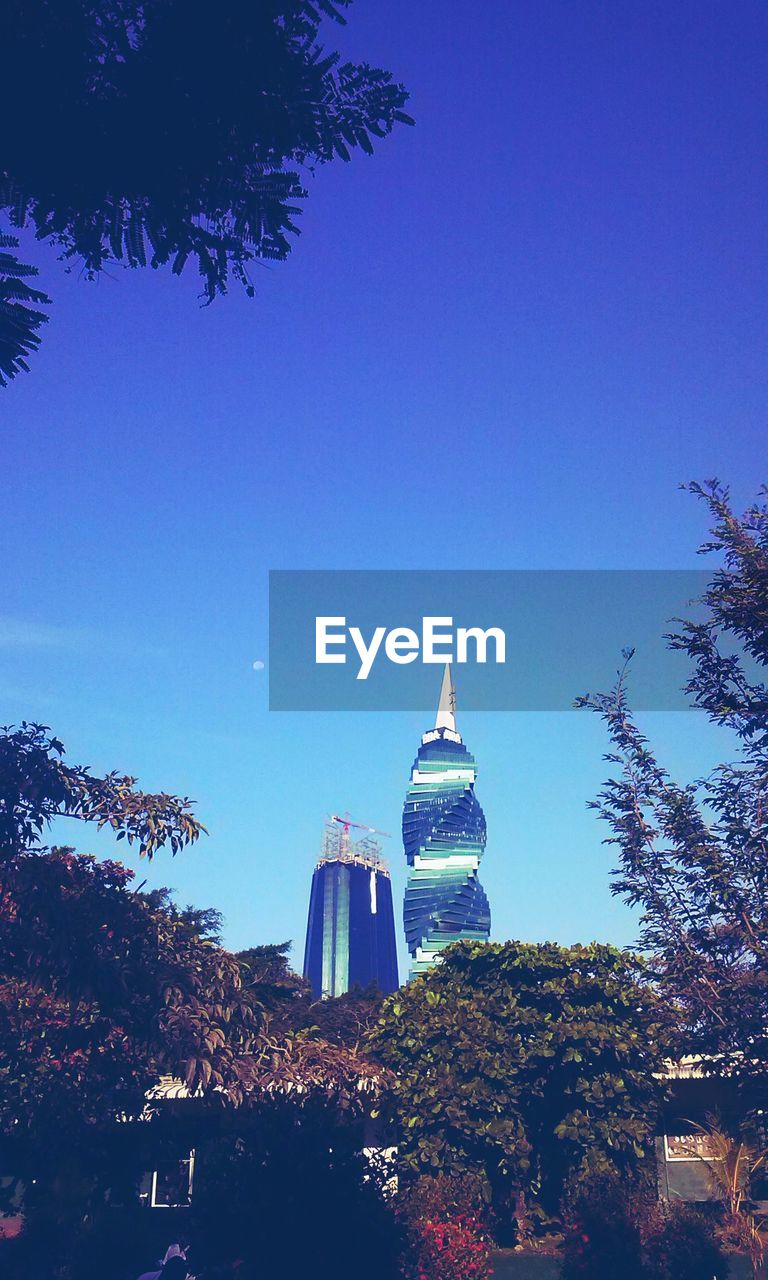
{"x": 167, "y": 131}
{"x": 20, "y": 319}
{"x": 283, "y": 994}
{"x": 347, "y": 1019}
{"x": 694, "y": 856}
{"x": 36, "y": 786}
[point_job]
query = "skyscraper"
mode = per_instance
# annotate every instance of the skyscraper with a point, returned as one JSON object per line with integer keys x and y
{"x": 444, "y": 839}
{"x": 351, "y": 923}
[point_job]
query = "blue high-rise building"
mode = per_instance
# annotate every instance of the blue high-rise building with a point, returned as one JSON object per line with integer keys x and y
{"x": 351, "y": 923}
{"x": 444, "y": 839}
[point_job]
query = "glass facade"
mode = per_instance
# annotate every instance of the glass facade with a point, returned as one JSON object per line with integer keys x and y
{"x": 444, "y": 838}
{"x": 351, "y": 927}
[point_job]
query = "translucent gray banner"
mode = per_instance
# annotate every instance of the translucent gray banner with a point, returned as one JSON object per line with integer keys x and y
{"x": 375, "y": 640}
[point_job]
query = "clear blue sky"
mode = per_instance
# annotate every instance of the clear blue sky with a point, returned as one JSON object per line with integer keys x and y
{"x": 501, "y": 342}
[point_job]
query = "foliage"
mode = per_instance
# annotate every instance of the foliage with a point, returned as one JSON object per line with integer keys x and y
{"x": 36, "y": 786}
{"x": 744, "y": 1233}
{"x": 347, "y": 1019}
{"x": 685, "y": 1247}
{"x": 448, "y": 1249}
{"x": 445, "y": 1221}
{"x": 311, "y": 1067}
{"x": 617, "y": 1230}
{"x": 602, "y": 1239}
{"x": 731, "y": 1161}
{"x": 100, "y": 993}
{"x": 695, "y": 856}
{"x": 282, "y": 994}
{"x": 20, "y": 319}
{"x": 168, "y": 131}
{"x": 527, "y": 1064}
{"x": 441, "y": 1196}
{"x": 105, "y": 989}
{"x": 205, "y": 923}
{"x": 343, "y": 1020}
{"x": 102, "y": 988}
{"x": 289, "y": 1193}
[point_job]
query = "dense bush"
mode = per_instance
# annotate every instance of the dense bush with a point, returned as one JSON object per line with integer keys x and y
{"x": 448, "y": 1249}
{"x": 602, "y": 1240}
{"x": 291, "y": 1195}
{"x": 442, "y": 1196}
{"x": 445, "y": 1222}
{"x": 685, "y": 1247}
{"x": 619, "y": 1231}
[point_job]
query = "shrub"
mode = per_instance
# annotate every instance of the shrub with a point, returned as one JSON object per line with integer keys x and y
{"x": 448, "y": 1249}
{"x": 685, "y": 1247}
{"x": 620, "y": 1231}
{"x": 442, "y": 1197}
{"x": 602, "y": 1238}
{"x": 285, "y": 1189}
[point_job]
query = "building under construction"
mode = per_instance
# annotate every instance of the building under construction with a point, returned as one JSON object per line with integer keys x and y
{"x": 351, "y": 923}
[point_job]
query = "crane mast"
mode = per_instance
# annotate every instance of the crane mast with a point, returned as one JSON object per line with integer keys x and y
{"x": 338, "y": 845}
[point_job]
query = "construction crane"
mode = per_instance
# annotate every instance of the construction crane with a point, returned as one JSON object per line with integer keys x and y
{"x": 346, "y": 822}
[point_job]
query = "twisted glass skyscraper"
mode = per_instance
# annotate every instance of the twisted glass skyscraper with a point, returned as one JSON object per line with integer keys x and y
{"x": 444, "y": 839}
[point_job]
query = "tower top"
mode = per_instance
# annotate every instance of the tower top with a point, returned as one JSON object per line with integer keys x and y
{"x": 445, "y": 720}
{"x": 446, "y": 709}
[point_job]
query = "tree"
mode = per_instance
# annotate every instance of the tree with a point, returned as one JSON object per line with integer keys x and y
{"x": 530, "y": 1064}
{"x": 347, "y": 1019}
{"x": 205, "y": 923}
{"x": 281, "y": 993}
{"x": 173, "y": 131}
{"x": 621, "y": 1232}
{"x": 287, "y": 1000}
{"x": 103, "y": 989}
{"x": 36, "y": 786}
{"x": 101, "y": 993}
{"x": 288, "y": 1191}
{"x": 20, "y": 318}
{"x": 694, "y": 856}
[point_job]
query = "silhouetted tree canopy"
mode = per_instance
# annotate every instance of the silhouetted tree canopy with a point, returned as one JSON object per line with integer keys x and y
{"x": 20, "y": 318}
{"x": 102, "y": 990}
{"x": 167, "y": 131}
{"x": 106, "y": 991}
{"x": 346, "y": 1020}
{"x": 284, "y": 995}
{"x": 36, "y": 786}
{"x": 694, "y": 856}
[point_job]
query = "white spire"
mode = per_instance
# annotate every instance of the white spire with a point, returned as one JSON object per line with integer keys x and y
{"x": 446, "y": 711}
